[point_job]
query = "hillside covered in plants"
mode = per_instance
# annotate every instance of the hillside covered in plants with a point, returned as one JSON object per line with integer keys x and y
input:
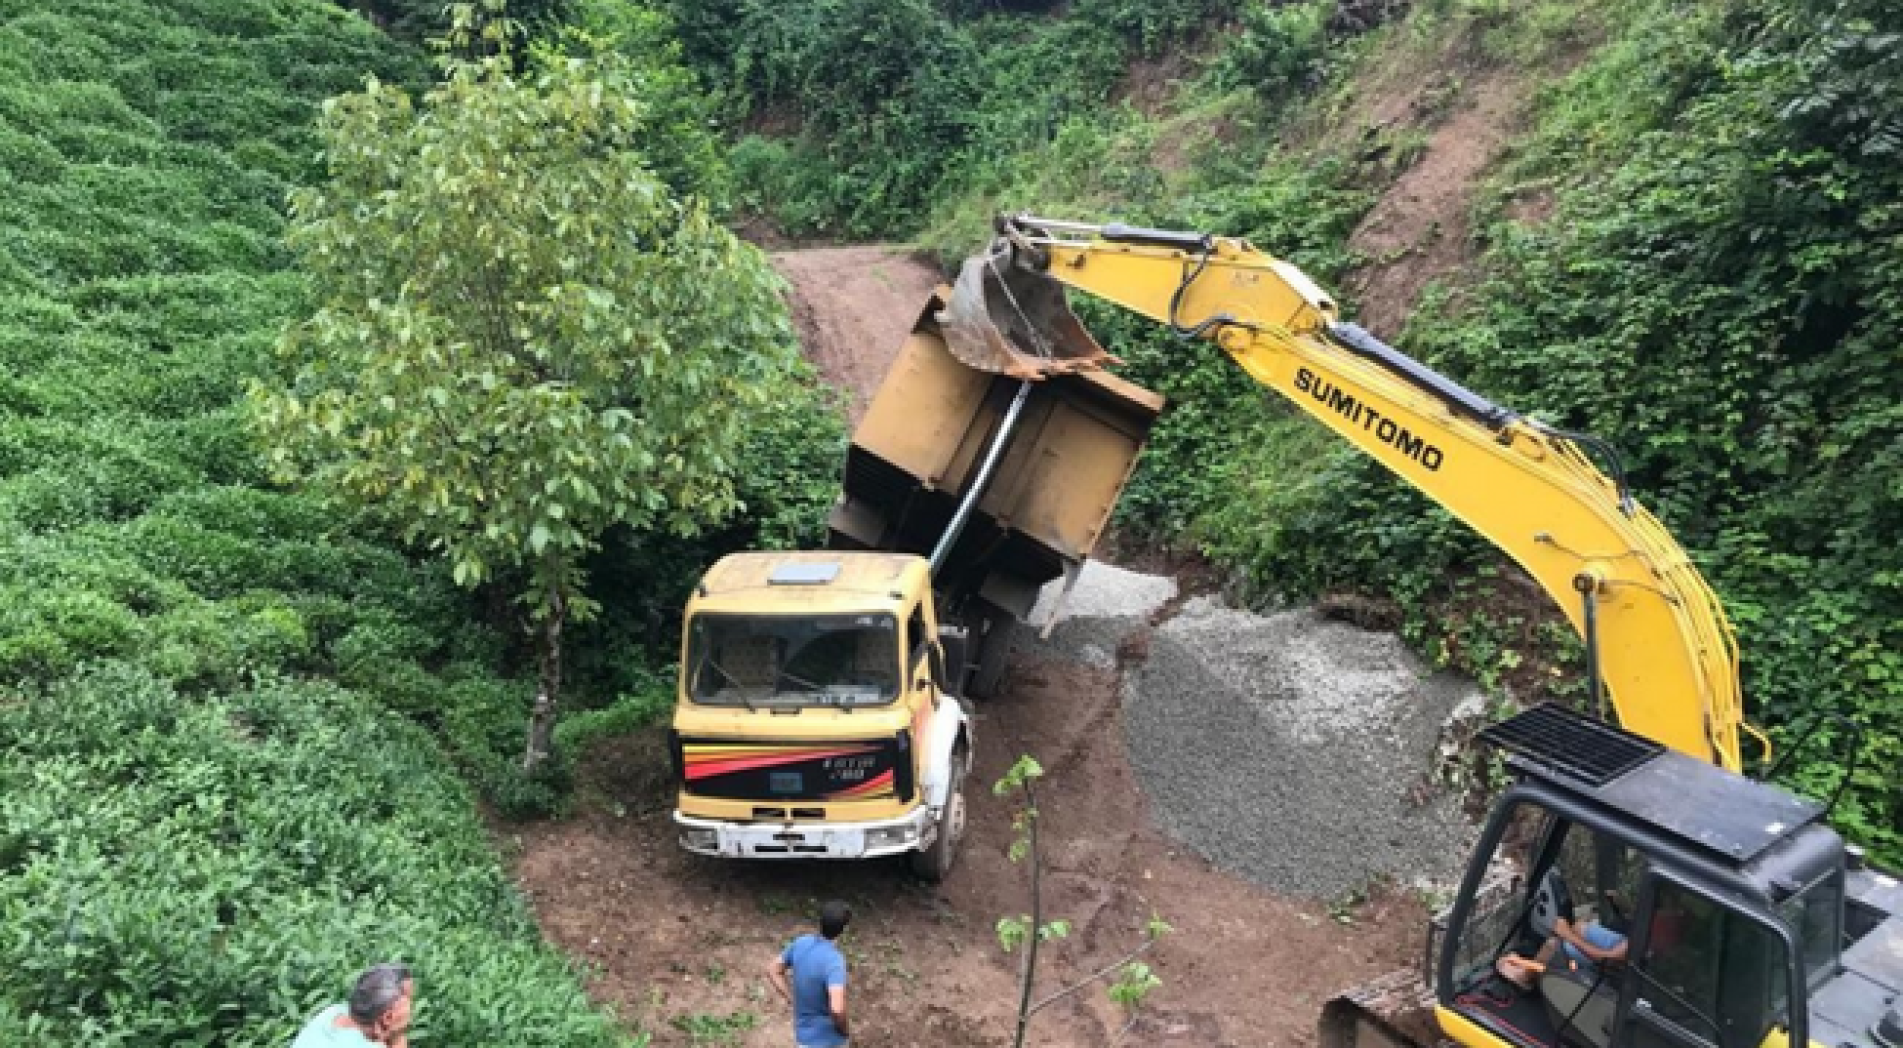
{"x": 244, "y": 727}
{"x": 1687, "y": 243}
{"x": 247, "y": 724}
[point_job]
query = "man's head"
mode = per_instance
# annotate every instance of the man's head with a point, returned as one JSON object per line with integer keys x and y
{"x": 833, "y": 918}
{"x": 380, "y": 1002}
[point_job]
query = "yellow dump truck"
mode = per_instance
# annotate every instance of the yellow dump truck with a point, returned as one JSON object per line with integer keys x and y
{"x": 820, "y": 710}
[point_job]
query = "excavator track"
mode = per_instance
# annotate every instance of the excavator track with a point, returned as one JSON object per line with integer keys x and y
{"x": 1395, "y": 1010}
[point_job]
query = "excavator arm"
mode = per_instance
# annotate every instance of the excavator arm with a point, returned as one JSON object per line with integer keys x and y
{"x": 1656, "y": 634}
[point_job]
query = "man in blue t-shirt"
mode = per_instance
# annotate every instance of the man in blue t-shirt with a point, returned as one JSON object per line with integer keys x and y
{"x": 1581, "y": 948}
{"x": 811, "y": 974}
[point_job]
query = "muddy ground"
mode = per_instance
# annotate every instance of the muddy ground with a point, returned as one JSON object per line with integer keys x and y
{"x": 679, "y": 944}
{"x": 682, "y": 942}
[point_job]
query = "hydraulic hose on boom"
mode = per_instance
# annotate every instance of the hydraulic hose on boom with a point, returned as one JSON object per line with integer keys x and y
{"x": 1658, "y": 639}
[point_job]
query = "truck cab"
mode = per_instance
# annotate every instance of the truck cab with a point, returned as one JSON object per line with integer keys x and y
{"x": 815, "y": 717}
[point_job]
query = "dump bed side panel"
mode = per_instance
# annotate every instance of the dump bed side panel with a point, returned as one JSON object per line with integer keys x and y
{"x": 922, "y": 443}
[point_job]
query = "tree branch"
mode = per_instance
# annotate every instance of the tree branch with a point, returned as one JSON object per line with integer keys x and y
{"x": 1094, "y": 976}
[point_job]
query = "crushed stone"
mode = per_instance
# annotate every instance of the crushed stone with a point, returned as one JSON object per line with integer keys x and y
{"x": 1105, "y": 590}
{"x": 1285, "y": 748}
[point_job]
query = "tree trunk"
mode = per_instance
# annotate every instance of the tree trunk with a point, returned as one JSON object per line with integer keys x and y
{"x": 542, "y": 718}
{"x": 1028, "y": 974}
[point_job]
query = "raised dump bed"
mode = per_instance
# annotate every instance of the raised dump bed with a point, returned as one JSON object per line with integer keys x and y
{"x": 921, "y": 447}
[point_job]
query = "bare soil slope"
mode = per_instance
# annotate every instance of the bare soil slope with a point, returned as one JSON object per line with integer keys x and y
{"x": 1420, "y": 229}
{"x": 1463, "y": 108}
{"x": 680, "y": 943}
{"x": 853, "y": 307}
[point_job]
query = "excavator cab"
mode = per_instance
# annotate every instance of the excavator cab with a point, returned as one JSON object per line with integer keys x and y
{"x": 1724, "y": 912}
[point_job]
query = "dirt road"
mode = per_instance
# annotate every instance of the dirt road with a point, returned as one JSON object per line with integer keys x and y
{"x": 853, "y": 307}
{"x": 681, "y": 943}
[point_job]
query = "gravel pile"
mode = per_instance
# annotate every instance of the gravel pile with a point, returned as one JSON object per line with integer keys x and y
{"x": 1106, "y": 591}
{"x": 1283, "y": 747}
{"x": 1108, "y": 604}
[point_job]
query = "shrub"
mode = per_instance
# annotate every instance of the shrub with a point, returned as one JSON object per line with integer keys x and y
{"x": 157, "y": 854}
{"x": 189, "y": 856}
{"x": 1278, "y": 50}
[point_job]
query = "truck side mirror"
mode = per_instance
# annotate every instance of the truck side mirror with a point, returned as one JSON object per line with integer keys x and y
{"x": 947, "y": 656}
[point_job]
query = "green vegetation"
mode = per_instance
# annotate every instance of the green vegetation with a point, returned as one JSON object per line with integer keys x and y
{"x": 702, "y": 1028}
{"x": 230, "y": 714}
{"x": 419, "y": 22}
{"x": 1719, "y": 290}
{"x": 888, "y": 105}
{"x": 1716, "y": 291}
{"x": 521, "y": 338}
{"x": 1713, "y": 286}
{"x": 242, "y": 727}
{"x": 210, "y": 869}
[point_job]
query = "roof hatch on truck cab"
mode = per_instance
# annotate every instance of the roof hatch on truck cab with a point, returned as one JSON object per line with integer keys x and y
{"x": 803, "y": 573}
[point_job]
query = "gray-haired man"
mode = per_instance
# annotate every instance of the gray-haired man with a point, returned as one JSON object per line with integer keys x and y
{"x": 378, "y": 1013}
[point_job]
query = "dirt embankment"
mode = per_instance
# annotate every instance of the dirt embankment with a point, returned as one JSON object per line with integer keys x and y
{"x": 1460, "y": 109}
{"x": 853, "y": 307}
{"x": 681, "y": 943}
{"x": 1421, "y": 230}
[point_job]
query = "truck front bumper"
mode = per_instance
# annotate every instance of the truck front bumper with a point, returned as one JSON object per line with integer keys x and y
{"x": 807, "y": 840}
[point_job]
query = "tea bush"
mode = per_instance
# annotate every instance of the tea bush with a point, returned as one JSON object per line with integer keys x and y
{"x": 200, "y": 841}
{"x": 210, "y": 869}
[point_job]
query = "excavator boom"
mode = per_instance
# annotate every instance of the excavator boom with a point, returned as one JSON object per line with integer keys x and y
{"x": 1661, "y": 641}
{"x": 1748, "y": 921}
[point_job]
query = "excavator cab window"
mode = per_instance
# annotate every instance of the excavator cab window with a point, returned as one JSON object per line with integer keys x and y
{"x": 1704, "y": 974}
{"x": 1545, "y": 870}
{"x": 1677, "y": 966}
{"x": 1815, "y": 915}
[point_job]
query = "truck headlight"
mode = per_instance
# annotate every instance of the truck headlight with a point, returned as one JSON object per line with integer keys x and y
{"x": 699, "y": 840}
{"x": 888, "y": 835}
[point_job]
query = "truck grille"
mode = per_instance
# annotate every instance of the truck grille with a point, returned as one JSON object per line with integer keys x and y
{"x": 788, "y": 814}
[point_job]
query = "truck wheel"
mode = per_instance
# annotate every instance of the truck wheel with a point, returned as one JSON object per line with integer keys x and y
{"x": 934, "y": 864}
{"x": 994, "y": 653}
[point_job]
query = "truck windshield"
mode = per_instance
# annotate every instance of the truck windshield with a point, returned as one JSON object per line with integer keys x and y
{"x": 780, "y": 661}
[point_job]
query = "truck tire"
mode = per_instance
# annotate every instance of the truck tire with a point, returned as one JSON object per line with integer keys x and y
{"x": 934, "y": 864}
{"x": 994, "y": 653}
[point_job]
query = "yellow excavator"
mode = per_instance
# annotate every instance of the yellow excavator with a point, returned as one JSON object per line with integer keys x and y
{"x": 1727, "y": 913}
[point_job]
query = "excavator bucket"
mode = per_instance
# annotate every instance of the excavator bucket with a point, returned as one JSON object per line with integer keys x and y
{"x": 1009, "y": 320}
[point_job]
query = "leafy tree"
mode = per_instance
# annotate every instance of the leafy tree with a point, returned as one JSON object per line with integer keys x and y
{"x": 521, "y": 336}
{"x": 678, "y": 118}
